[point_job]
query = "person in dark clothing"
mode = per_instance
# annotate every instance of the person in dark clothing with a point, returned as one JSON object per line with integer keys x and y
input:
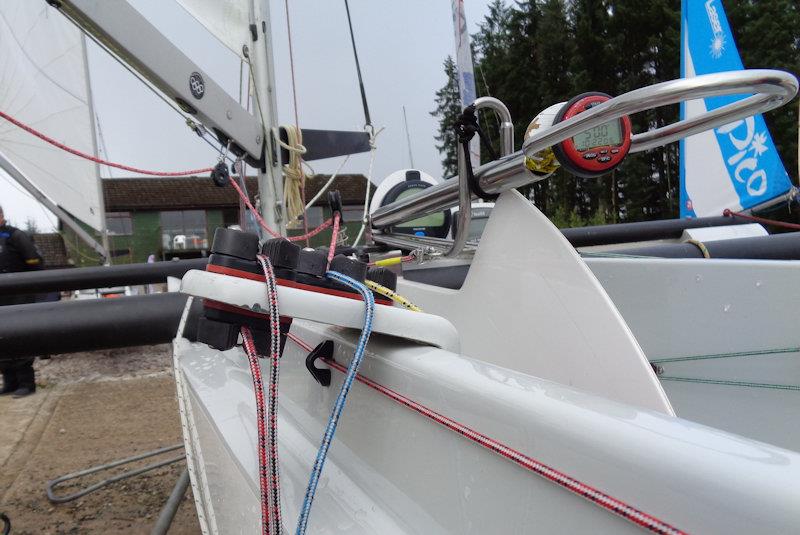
{"x": 17, "y": 253}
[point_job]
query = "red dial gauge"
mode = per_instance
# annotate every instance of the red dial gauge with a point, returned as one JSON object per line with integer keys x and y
{"x": 598, "y": 150}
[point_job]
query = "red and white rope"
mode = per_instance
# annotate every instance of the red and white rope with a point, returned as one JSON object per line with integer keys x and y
{"x": 599, "y": 498}
{"x": 275, "y": 361}
{"x": 258, "y": 388}
{"x": 95, "y": 159}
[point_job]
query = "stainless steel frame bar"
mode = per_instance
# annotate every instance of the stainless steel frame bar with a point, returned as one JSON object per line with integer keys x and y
{"x": 773, "y": 89}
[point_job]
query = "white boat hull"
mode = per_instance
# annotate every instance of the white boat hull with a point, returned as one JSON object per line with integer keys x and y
{"x": 544, "y": 370}
{"x": 391, "y": 470}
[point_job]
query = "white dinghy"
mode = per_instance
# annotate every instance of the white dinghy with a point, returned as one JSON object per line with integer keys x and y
{"x": 521, "y": 402}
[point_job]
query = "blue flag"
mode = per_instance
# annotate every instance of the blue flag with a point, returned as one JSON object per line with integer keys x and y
{"x": 735, "y": 166}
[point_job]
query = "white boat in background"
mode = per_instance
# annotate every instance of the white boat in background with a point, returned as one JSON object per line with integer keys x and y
{"x": 523, "y": 401}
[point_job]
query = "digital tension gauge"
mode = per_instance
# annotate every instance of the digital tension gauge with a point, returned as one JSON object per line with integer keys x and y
{"x": 589, "y": 154}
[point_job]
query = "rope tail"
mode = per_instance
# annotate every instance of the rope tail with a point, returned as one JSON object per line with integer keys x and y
{"x": 338, "y": 407}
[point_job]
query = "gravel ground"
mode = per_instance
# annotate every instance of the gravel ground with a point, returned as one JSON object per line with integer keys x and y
{"x": 104, "y": 365}
{"x": 92, "y": 408}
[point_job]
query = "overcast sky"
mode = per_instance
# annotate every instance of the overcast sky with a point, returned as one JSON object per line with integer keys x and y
{"x": 401, "y": 47}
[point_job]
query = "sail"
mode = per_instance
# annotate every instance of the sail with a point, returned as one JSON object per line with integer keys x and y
{"x": 227, "y": 20}
{"x": 735, "y": 166}
{"x": 464, "y": 67}
{"x": 43, "y": 73}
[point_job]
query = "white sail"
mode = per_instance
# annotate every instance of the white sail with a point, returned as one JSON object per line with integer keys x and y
{"x": 43, "y": 84}
{"x": 227, "y": 20}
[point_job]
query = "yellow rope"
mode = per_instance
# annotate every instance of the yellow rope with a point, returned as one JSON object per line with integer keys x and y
{"x": 386, "y": 292}
{"x": 293, "y": 171}
{"x": 702, "y": 246}
{"x": 395, "y": 260}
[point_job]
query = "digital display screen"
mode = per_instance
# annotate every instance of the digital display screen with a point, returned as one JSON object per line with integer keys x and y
{"x": 599, "y": 136}
{"x": 431, "y": 220}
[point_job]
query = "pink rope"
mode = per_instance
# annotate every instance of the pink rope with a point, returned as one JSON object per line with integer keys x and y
{"x": 95, "y": 159}
{"x": 263, "y": 223}
{"x": 334, "y": 237}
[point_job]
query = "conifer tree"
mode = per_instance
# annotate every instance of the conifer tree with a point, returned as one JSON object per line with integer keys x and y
{"x": 448, "y": 108}
{"x": 534, "y": 53}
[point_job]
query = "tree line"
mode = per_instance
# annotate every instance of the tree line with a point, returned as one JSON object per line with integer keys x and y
{"x": 534, "y": 53}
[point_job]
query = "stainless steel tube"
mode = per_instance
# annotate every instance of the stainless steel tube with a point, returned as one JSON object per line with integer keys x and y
{"x": 445, "y": 195}
{"x": 773, "y": 89}
{"x": 464, "y": 205}
{"x": 506, "y": 126}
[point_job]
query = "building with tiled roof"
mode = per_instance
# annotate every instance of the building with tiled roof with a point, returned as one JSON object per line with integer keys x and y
{"x": 176, "y": 217}
{"x": 54, "y": 253}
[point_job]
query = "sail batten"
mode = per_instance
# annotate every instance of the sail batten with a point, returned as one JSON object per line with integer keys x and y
{"x": 43, "y": 69}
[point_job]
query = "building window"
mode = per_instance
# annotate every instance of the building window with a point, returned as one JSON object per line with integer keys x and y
{"x": 119, "y": 223}
{"x": 315, "y": 215}
{"x": 352, "y": 214}
{"x": 230, "y": 217}
{"x": 184, "y": 229}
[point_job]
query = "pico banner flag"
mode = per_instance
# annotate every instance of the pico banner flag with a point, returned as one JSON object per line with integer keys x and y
{"x": 735, "y": 166}
{"x": 464, "y": 68}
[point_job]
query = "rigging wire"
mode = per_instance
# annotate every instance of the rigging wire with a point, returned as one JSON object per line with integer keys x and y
{"x": 365, "y": 216}
{"x": 296, "y": 117}
{"x": 369, "y": 302}
{"x": 368, "y": 121}
{"x": 324, "y": 188}
{"x": 266, "y": 227}
{"x": 772, "y": 222}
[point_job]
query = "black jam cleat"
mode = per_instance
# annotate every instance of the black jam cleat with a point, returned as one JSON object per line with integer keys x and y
{"x": 354, "y": 269}
{"x": 383, "y": 276}
{"x": 235, "y": 243}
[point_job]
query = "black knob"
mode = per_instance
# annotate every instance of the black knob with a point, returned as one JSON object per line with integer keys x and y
{"x": 235, "y": 243}
{"x": 281, "y": 252}
{"x": 347, "y": 266}
{"x": 383, "y": 276}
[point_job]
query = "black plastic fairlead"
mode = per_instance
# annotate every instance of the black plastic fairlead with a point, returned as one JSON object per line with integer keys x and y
{"x": 323, "y": 351}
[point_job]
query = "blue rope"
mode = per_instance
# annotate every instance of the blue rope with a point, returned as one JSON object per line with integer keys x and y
{"x": 338, "y": 407}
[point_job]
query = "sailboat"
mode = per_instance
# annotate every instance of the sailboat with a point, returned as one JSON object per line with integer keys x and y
{"x": 523, "y": 401}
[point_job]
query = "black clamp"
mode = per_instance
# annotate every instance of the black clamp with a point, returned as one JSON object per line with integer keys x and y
{"x": 323, "y": 351}
{"x": 466, "y": 128}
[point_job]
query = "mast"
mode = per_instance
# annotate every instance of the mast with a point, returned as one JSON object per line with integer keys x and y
{"x": 99, "y": 179}
{"x": 270, "y": 185}
{"x": 408, "y": 138}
